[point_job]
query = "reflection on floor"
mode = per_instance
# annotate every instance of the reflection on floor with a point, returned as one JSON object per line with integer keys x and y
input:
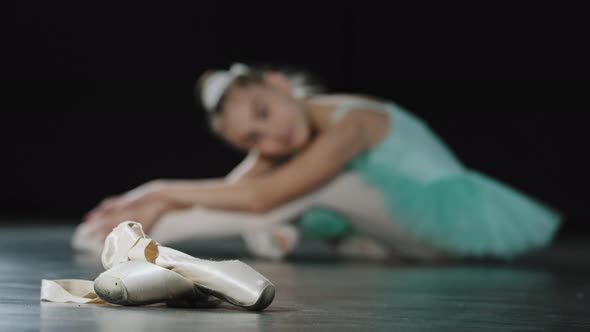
{"x": 548, "y": 291}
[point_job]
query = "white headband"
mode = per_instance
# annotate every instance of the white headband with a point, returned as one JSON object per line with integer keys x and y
{"x": 215, "y": 85}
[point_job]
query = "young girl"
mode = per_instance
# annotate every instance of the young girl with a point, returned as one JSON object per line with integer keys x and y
{"x": 364, "y": 173}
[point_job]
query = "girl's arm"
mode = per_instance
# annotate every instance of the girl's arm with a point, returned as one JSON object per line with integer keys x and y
{"x": 171, "y": 193}
{"x": 312, "y": 167}
{"x": 355, "y": 132}
{"x": 236, "y": 187}
{"x": 252, "y": 166}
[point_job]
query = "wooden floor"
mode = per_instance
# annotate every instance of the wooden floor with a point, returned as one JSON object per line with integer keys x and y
{"x": 548, "y": 291}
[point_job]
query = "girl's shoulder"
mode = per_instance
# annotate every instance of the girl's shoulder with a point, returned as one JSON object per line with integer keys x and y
{"x": 324, "y": 106}
{"x": 337, "y": 99}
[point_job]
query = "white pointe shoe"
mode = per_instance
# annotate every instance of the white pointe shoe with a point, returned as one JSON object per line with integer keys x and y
{"x": 232, "y": 281}
{"x": 140, "y": 283}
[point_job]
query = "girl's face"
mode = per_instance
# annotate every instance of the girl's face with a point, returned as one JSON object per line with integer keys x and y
{"x": 265, "y": 117}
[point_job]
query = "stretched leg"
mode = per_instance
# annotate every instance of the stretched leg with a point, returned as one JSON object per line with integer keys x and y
{"x": 362, "y": 204}
{"x": 205, "y": 223}
{"x": 346, "y": 194}
{"x": 267, "y": 235}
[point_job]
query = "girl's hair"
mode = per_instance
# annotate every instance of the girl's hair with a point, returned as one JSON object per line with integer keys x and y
{"x": 303, "y": 82}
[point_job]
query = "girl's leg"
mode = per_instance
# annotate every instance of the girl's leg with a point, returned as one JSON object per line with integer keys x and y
{"x": 346, "y": 194}
{"x": 362, "y": 204}
{"x": 267, "y": 235}
{"x": 205, "y": 223}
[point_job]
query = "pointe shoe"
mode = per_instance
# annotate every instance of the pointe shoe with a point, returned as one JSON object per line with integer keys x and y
{"x": 140, "y": 283}
{"x": 232, "y": 281}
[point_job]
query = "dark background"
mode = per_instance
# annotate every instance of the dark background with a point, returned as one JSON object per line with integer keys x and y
{"x": 97, "y": 98}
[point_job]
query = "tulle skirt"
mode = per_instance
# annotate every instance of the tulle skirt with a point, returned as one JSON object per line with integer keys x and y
{"x": 427, "y": 190}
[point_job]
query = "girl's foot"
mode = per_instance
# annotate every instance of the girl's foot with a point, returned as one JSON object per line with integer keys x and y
{"x": 273, "y": 243}
{"x": 362, "y": 247}
{"x": 86, "y": 239}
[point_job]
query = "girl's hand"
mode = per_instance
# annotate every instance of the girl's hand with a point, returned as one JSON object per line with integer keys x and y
{"x": 144, "y": 204}
{"x": 143, "y": 193}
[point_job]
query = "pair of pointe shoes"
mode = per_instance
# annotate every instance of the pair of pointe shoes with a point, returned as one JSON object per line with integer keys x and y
{"x": 139, "y": 271}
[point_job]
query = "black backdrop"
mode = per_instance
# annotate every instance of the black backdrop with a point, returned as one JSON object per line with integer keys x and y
{"x": 97, "y": 99}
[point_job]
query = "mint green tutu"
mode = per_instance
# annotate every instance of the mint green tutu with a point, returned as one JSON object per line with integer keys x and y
{"x": 439, "y": 201}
